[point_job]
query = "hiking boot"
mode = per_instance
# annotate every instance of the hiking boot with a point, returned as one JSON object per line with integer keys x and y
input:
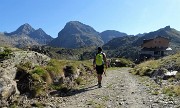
{"x": 99, "y": 85}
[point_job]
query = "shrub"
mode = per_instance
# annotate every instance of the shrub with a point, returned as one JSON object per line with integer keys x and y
{"x": 6, "y": 53}
{"x": 177, "y": 76}
{"x": 40, "y": 71}
{"x": 79, "y": 80}
{"x": 172, "y": 90}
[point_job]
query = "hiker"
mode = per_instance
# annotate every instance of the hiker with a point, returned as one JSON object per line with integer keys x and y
{"x": 98, "y": 64}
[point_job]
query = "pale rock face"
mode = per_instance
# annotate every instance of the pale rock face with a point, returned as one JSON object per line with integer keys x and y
{"x": 8, "y": 86}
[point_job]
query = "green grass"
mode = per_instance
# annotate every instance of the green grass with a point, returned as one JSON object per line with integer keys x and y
{"x": 39, "y": 70}
{"x": 146, "y": 68}
{"x": 79, "y": 80}
{"x": 6, "y": 53}
{"x": 173, "y": 90}
{"x": 44, "y": 77}
{"x": 155, "y": 92}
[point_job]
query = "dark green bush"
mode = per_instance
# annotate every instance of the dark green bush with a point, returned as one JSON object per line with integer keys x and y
{"x": 6, "y": 53}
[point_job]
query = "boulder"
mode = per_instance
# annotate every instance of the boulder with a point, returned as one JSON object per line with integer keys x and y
{"x": 8, "y": 86}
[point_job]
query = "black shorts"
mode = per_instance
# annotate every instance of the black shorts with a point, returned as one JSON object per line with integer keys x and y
{"x": 100, "y": 69}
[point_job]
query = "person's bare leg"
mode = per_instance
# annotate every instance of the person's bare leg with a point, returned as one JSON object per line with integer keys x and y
{"x": 99, "y": 79}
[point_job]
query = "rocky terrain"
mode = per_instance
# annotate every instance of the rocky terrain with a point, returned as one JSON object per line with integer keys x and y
{"x": 8, "y": 69}
{"x": 120, "y": 90}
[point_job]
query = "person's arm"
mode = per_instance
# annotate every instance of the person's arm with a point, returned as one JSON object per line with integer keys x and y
{"x": 94, "y": 62}
{"x": 105, "y": 60}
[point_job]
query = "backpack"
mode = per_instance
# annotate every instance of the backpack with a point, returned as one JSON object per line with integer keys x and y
{"x": 99, "y": 59}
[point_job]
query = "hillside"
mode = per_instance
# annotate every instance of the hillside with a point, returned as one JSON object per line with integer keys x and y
{"x": 19, "y": 41}
{"x": 120, "y": 42}
{"x": 129, "y": 46}
{"x": 76, "y": 35}
{"x": 168, "y": 32}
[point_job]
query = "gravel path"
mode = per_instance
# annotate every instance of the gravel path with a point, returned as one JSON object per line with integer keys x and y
{"x": 120, "y": 90}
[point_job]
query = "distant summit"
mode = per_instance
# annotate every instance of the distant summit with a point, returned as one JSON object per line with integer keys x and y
{"x": 41, "y": 36}
{"x": 24, "y": 29}
{"x": 110, "y": 34}
{"x": 26, "y": 34}
{"x": 75, "y": 35}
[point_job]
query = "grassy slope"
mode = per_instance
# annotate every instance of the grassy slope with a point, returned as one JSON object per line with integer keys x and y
{"x": 168, "y": 63}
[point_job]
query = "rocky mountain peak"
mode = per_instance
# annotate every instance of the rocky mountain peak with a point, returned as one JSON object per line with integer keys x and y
{"x": 40, "y": 31}
{"x": 78, "y": 27}
{"x": 24, "y": 29}
{"x": 167, "y": 27}
{"x": 76, "y": 34}
{"x": 110, "y": 34}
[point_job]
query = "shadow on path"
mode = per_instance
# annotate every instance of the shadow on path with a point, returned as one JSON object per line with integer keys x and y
{"x": 73, "y": 91}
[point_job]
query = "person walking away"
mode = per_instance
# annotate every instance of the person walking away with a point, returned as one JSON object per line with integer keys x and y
{"x": 98, "y": 64}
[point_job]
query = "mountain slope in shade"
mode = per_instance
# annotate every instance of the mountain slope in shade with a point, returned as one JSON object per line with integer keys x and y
{"x": 120, "y": 42}
{"x": 75, "y": 35}
{"x": 110, "y": 34}
{"x": 40, "y": 36}
{"x": 19, "y": 41}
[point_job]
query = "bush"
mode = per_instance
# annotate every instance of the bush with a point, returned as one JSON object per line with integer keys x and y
{"x": 79, "y": 80}
{"x": 40, "y": 71}
{"x": 5, "y": 54}
{"x": 172, "y": 90}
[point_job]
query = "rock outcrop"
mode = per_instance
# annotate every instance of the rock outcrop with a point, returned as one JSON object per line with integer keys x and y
{"x": 8, "y": 86}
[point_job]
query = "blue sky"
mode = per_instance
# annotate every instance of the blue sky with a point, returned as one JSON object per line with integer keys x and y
{"x": 129, "y": 16}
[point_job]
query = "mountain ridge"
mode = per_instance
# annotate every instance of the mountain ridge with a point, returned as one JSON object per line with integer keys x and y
{"x": 107, "y": 35}
{"x": 75, "y": 35}
{"x": 27, "y": 36}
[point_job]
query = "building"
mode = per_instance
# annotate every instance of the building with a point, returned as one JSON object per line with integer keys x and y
{"x": 154, "y": 48}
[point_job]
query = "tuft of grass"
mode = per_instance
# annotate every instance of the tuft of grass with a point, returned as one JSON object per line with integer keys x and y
{"x": 79, "y": 80}
{"x": 146, "y": 68}
{"x": 155, "y": 92}
{"x": 6, "y": 53}
{"x": 39, "y": 70}
{"x": 177, "y": 76}
{"x": 24, "y": 67}
{"x": 172, "y": 90}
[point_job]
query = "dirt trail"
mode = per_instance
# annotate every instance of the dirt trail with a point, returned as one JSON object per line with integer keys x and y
{"x": 120, "y": 90}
